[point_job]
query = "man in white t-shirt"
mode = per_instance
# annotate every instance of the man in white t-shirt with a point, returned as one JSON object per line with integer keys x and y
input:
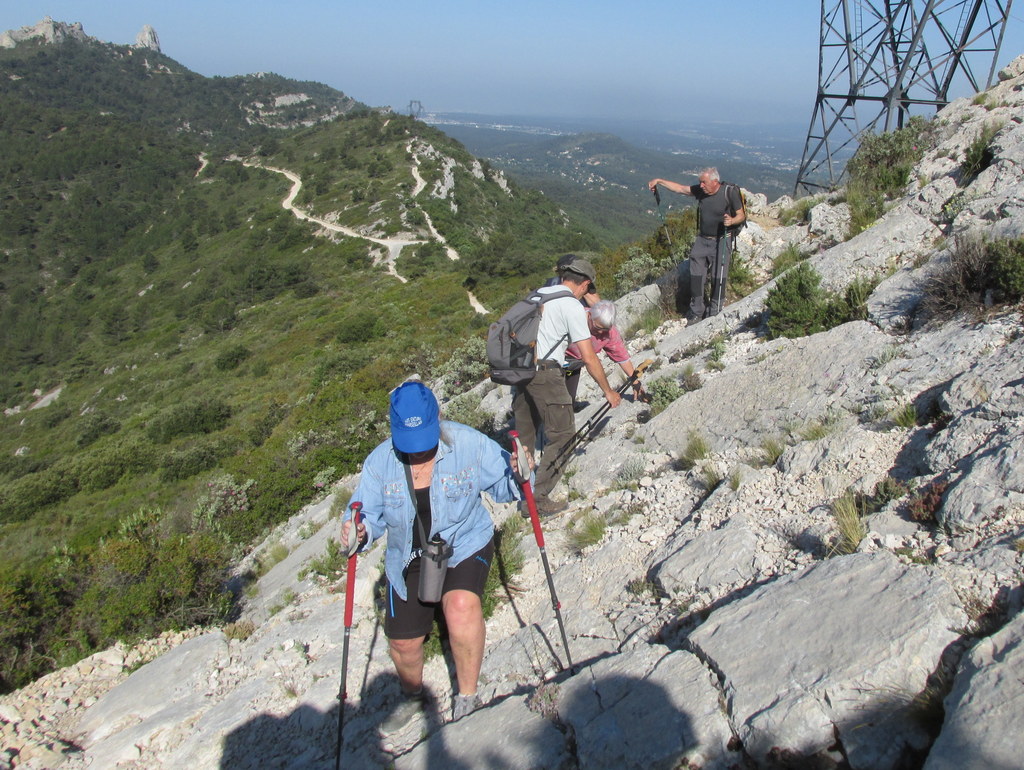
{"x": 545, "y": 399}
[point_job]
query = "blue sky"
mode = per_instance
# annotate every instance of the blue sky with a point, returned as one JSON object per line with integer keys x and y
{"x": 646, "y": 59}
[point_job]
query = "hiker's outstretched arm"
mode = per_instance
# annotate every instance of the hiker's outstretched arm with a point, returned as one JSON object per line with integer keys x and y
{"x": 586, "y": 348}
{"x": 675, "y": 187}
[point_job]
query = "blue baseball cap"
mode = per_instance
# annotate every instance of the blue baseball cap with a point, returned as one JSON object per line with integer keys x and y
{"x": 415, "y": 423}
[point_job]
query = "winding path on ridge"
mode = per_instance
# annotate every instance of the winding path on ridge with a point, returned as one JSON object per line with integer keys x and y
{"x": 393, "y": 246}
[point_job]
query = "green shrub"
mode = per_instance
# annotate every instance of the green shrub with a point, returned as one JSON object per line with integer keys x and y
{"x": 105, "y": 465}
{"x": 640, "y": 269}
{"x": 881, "y": 169}
{"x": 797, "y": 305}
{"x": 741, "y": 280}
{"x": 797, "y": 213}
{"x": 188, "y": 461}
{"x": 787, "y": 258}
{"x": 978, "y": 155}
{"x": 140, "y": 581}
{"x": 229, "y": 359}
{"x": 663, "y": 392}
{"x": 190, "y": 417}
{"x": 94, "y": 426}
{"x": 21, "y": 498}
{"x": 978, "y": 271}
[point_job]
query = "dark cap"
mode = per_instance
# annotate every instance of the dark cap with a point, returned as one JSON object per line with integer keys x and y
{"x": 415, "y": 423}
{"x": 582, "y": 267}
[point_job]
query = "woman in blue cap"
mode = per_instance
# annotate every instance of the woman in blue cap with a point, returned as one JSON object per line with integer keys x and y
{"x": 421, "y": 485}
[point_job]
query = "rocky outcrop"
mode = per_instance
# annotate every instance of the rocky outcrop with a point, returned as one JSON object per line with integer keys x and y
{"x": 147, "y": 38}
{"x": 46, "y": 31}
{"x": 716, "y": 622}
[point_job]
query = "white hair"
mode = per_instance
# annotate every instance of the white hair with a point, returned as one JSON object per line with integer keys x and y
{"x": 712, "y": 174}
{"x": 603, "y": 312}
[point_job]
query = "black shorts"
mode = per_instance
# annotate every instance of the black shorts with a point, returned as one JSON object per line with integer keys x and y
{"x": 412, "y": 618}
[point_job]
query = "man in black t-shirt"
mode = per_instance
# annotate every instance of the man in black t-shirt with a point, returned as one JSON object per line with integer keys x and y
{"x": 720, "y": 209}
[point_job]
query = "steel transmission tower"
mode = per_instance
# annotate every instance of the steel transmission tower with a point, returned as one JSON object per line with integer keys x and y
{"x": 879, "y": 58}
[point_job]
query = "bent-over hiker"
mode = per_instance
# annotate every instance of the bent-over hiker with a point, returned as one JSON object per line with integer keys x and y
{"x": 603, "y": 336}
{"x": 719, "y": 209}
{"x": 545, "y": 401}
{"x": 423, "y": 483}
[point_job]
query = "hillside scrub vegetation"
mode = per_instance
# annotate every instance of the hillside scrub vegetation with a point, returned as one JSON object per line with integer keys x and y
{"x": 190, "y": 329}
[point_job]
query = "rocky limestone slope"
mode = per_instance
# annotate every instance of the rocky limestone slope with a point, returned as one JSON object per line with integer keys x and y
{"x": 713, "y": 625}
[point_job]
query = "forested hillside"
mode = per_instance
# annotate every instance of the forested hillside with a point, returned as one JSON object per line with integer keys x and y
{"x": 183, "y": 362}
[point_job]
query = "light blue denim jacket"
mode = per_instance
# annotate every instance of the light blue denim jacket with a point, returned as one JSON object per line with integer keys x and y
{"x": 466, "y": 464}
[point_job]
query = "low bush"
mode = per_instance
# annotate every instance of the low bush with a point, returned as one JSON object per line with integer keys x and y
{"x": 663, "y": 391}
{"x": 881, "y": 169}
{"x": 978, "y": 273}
{"x": 978, "y": 156}
{"x": 798, "y": 306}
{"x": 187, "y": 418}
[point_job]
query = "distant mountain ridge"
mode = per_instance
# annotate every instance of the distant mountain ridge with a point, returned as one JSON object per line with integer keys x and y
{"x": 59, "y": 65}
{"x": 601, "y": 177}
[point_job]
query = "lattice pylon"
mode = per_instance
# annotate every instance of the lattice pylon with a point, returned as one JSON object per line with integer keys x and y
{"x": 878, "y": 59}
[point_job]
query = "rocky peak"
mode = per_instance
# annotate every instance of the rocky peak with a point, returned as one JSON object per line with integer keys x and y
{"x": 147, "y": 38}
{"x": 48, "y": 30}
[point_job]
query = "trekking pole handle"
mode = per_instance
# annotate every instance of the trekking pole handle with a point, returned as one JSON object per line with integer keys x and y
{"x": 522, "y": 459}
{"x": 353, "y": 531}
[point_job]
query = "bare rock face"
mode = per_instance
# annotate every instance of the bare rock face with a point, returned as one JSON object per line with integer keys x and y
{"x": 48, "y": 30}
{"x": 147, "y": 39}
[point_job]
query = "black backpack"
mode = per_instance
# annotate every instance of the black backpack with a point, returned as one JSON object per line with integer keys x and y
{"x": 512, "y": 340}
{"x": 729, "y": 186}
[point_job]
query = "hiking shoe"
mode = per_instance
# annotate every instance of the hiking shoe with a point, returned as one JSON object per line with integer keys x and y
{"x": 546, "y": 507}
{"x": 463, "y": 705}
{"x": 409, "y": 709}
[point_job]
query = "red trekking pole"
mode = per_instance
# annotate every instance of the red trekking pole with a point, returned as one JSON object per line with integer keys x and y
{"x": 531, "y": 504}
{"x": 350, "y": 589}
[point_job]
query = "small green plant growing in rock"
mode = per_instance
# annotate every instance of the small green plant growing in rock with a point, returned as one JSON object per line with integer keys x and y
{"x": 273, "y": 556}
{"x": 329, "y": 565}
{"x": 240, "y": 630}
{"x": 819, "y": 428}
{"x": 544, "y": 701}
{"x": 640, "y": 587}
{"x": 787, "y": 258}
{"x": 697, "y": 449}
{"x": 905, "y": 416}
{"x": 924, "y": 506}
{"x": 663, "y": 391}
{"x": 978, "y": 155}
{"x": 771, "y": 450}
{"x": 630, "y": 472}
{"x": 797, "y": 213}
{"x": 711, "y": 476}
{"x": 689, "y": 379}
{"x": 735, "y": 480}
{"x": 1018, "y": 545}
{"x": 586, "y": 532}
{"x": 847, "y": 514}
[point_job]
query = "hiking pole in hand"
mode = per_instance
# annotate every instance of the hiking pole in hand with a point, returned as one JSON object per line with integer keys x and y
{"x": 721, "y": 258}
{"x": 657, "y": 199}
{"x": 590, "y": 426}
{"x": 524, "y": 481}
{"x": 350, "y": 589}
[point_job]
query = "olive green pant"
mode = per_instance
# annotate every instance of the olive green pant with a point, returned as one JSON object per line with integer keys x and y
{"x": 544, "y": 402}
